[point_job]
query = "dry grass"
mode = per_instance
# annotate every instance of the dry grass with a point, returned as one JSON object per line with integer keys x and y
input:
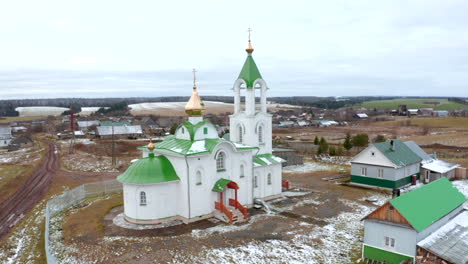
{"x": 12, "y": 177}
{"x": 75, "y": 229}
{"x": 444, "y": 122}
{"x": 7, "y": 120}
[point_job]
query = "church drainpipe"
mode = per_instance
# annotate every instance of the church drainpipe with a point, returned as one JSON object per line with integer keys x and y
{"x": 253, "y": 178}
{"x": 188, "y": 189}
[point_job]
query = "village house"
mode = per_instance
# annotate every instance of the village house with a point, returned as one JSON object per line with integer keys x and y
{"x": 20, "y": 142}
{"x": 120, "y": 130}
{"x": 88, "y": 124}
{"x": 194, "y": 174}
{"x": 392, "y": 232}
{"x": 388, "y": 164}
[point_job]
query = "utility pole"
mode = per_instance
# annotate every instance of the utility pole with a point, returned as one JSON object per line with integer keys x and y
{"x": 72, "y": 128}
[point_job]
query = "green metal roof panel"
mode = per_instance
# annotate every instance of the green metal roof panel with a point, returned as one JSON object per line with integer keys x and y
{"x": 250, "y": 72}
{"x": 153, "y": 169}
{"x": 189, "y": 147}
{"x": 220, "y": 185}
{"x": 401, "y": 156}
{"x": 429, "y": 203}
{"x": 193, "y": 128}
{"x": 267, "y": 159}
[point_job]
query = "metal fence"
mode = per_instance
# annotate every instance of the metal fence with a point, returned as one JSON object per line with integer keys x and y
{"x": 73, "y": 197}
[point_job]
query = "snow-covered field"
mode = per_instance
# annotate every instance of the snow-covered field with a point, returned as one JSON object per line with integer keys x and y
{"x": 40, "y": 110}
{"x": 50, "y": 110}
{"x": 22, "y": 156}
{"x": 310, "y": 166}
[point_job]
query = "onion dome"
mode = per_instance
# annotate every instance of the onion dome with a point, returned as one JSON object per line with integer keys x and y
{"x": 151, "y": 146}
{"x": 153, "y": 169}
{"x": 195, "y": 105}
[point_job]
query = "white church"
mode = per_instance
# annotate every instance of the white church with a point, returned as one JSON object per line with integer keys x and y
{"x": 194, "y": 174}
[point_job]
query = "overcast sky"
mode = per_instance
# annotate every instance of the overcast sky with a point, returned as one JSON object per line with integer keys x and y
{"x": 93, "y": 48}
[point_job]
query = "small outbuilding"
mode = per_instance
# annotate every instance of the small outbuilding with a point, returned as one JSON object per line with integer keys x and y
{"x": 5, "y": 136}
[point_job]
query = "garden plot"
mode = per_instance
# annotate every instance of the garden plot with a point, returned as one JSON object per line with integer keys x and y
{"x": 81, "y": 161}
{"x": 310, "y": 166}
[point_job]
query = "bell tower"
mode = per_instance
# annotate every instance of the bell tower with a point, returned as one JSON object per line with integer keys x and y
{"x": 251, "y": 124}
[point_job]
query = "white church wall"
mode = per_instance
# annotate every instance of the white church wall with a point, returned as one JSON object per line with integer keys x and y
{"x": 182, "y": 133}
{"x": 211, "y": 132}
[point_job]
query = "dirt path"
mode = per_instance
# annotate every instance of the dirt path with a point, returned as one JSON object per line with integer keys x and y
{"x": 15, "y": 207}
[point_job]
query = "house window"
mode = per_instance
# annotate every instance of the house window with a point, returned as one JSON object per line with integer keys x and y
{"x": 142, "y": 198}
{"x": 380, "y": 171}
{"x": 242, "y": 172}
{"x": 220, "y": 163}
{"x": 198, "y": 178}
{"x": 269, "y": 179}
{"x": 389, "y": 242}
{"x": 364, "y": 171}
{"x": 240, "y": 134}
{"x": 260, "y": 134}
{"x": 255, "y": 179}
{"x": 205, "y": 130}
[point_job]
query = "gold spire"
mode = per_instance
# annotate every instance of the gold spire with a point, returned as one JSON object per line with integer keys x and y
{"x": 249, "y": 48}
{"x": 151, "y": 146}
{"x": 195, "y": 105}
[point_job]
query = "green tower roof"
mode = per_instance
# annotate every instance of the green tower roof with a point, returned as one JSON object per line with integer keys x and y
{"x": 153, "y": 169}
{"x": 250, "y": 72}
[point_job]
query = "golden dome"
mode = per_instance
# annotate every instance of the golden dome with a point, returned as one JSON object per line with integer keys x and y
{"x": 151, "y": 146}
{"x": 249, "y": 48}
{"x": 195, "y": 105}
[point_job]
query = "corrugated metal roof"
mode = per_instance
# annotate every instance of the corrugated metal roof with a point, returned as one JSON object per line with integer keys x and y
{"x": 401, "y": 156}
{"x": 118, "y": 130}
{"x": 86, "y": 124}
{"x": 440, "y": 166}
{"x": 450, "y": 242}
{"x": 418, "y": 150}
{"x": 153, "y": 169}
{"x": 5, "y": 132}
{"x": 267, "y": 159}
{"x": 429, "y": 203}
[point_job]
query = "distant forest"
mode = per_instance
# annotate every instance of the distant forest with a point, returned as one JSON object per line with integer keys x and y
{"x": 7, "y": 106}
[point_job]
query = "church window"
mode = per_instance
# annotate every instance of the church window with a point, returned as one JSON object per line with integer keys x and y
{"x": 205, "y": 130}
{"x": 240, "y": 134}
{"x": 183, "y": 130}
{"x": 198, "y": 178}
{"x": 269, "y": 178}
{"x": 220, "y": 161}
{"x": 260, "y": 134}
{"x": 255, "y": 181}
{"x": 242, "y": 172}
{"x": 142, "y": 198}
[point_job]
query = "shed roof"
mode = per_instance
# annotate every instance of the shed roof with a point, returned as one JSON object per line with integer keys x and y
{"x": 440, "y": 166}
{"x": 267, "y": 159}
{"x": 401, "y": 156}
{"x": 450, "y": 242}
{"x": 421, "y": 207}
{"x": 118, "y": 130}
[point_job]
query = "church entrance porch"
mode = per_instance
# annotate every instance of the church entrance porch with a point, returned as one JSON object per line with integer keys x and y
{"x": 227, "y": 203}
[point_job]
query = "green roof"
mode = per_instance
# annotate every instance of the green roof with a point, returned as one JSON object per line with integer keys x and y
{"x": 108, "y": 123}
{"x": 193, "y": 128}
{"x": 220, "y": 185}
{"x": 401, "y": 156}
{"x": 189, "y": 147}
{"x": 153, "y": 169}
{"x": 429, "y": 203}
{"x": 267, "y": 159}
{"x": 250, "y": 72}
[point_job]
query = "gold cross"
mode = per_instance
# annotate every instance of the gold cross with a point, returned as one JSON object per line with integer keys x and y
{"x": 194, "y": 77}
{"x": 249, "y": 30}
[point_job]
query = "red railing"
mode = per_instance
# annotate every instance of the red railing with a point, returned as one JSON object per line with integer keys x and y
{"x": 223, "y": 208}
{"x": 239, "y": 207}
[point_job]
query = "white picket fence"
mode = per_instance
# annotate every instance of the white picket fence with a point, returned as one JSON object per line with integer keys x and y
{"x": 73, "y": 197}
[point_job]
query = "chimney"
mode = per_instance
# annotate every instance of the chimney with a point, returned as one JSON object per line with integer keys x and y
{"x": 392, "y": 144}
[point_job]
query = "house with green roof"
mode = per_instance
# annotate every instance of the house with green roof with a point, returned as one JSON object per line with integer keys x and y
{"x": 194, "y": 174}
{"x": 392, "y": 231}
{"x": 390, "y": 165}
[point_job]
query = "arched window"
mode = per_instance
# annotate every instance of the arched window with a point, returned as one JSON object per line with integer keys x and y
{"x": 269, "y": 179}
{"x": 142, "y": 198}
{"x": 255, "y": 181}
{"x": 183, "y": 130}
{"x": 240, "y": 133}
{"x": 198, "y": 179}
{"x": 241, "y": 171}
{"x": 260, "y": 134}
{"x": 220, "y": 161}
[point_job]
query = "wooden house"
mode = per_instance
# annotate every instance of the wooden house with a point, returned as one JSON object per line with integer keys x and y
{"x": 392, "y": 231}
{"x": 388, "y": 164}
